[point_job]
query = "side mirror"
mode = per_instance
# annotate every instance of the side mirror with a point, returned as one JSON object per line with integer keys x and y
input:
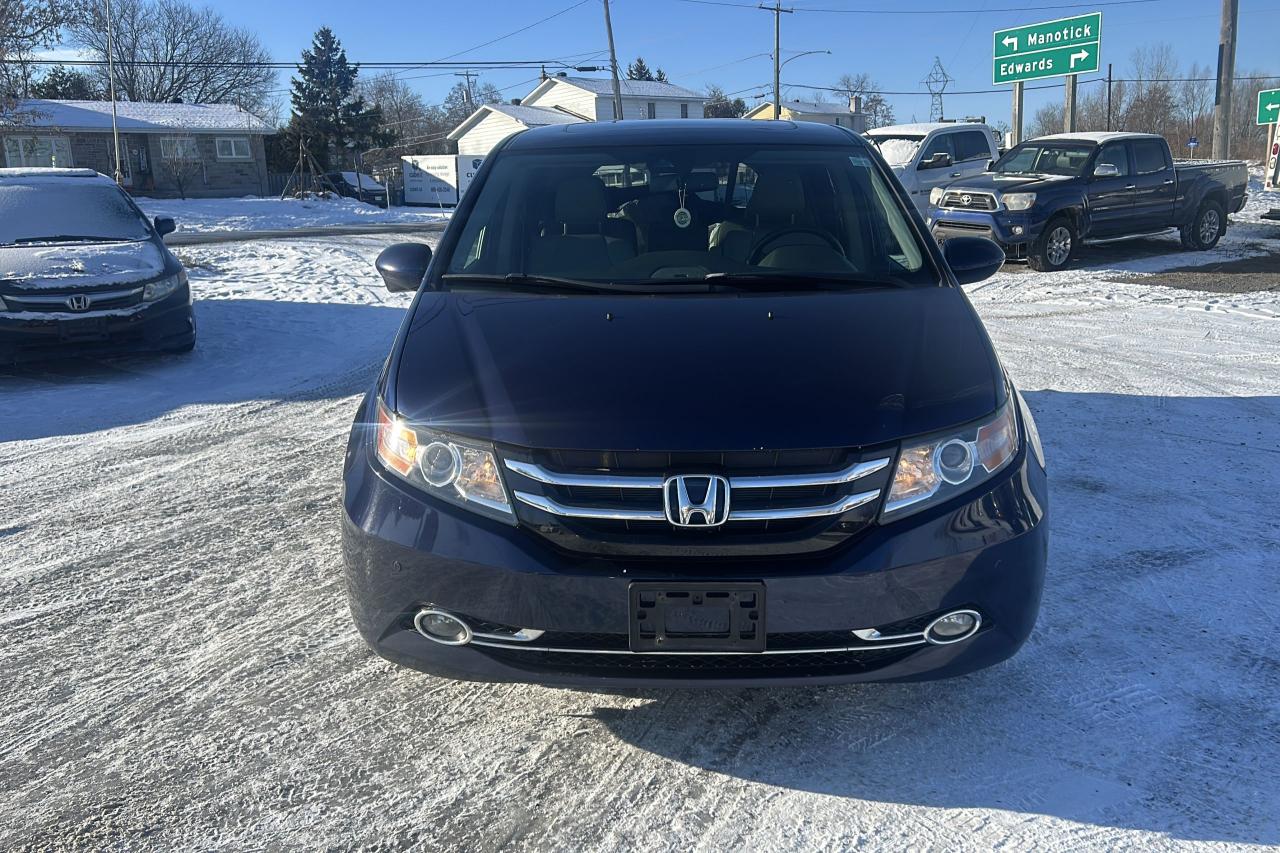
{"x": 972, "y": 259}
{"x": 165, "y": 225}
{"x": 1106, "y": 170}
{"x": 941, "y": 160}
{"x": 991, "y": 164}
{"x": 403, "y": 266}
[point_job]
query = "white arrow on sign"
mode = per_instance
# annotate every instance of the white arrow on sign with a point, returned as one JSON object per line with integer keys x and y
{"x": 1010, "y": 41}
{"x": 1272, "y": 107}
{"x": 1082, "y": 56}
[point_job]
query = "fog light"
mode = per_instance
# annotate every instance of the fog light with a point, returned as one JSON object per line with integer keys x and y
{"x": 953, "y": 627}
{"x": 1017, "y": 230}
{"x": 442, "y": 627}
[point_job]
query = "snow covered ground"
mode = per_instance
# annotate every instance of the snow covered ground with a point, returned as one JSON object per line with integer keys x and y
{"x": 180, "y": 669}
{"x": 261, "y": 214}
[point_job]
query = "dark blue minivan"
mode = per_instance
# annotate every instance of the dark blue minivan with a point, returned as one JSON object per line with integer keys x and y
{"x": 692, "y": 402}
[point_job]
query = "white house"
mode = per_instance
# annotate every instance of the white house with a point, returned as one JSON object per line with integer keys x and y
{"x": 565, "y": 100}
{"x": 850, "y": 116}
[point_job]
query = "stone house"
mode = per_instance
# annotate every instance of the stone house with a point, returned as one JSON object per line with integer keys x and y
{"x": 195, "y": 150}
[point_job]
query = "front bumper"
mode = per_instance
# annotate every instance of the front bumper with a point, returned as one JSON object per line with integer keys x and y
{"x": 167, "y": 324}
{"x": 403, "y": 551}
{"x": 1014, "y": 231}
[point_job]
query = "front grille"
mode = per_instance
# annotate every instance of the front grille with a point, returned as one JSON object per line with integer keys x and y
{"x": 778, "y": 501}
{"x": 965, "y": 200}
{"x": 54, "y": 301}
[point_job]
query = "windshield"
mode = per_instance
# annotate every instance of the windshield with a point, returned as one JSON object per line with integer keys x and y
{"x": 1044, "y": 158}
{"x": 897, "y": 149}
{"x": 681, "y": 214}
{"x": 66, "y": 211}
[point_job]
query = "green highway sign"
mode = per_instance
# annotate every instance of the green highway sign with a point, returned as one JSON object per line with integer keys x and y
{"x": 1048, "y": 49}
{"x": 1269, "y": 106}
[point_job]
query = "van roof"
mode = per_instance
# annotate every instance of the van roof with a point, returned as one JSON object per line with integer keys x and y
{"x": 680, "y": 131}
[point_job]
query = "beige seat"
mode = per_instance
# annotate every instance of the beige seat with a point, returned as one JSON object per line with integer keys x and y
{"x": 777, "y": 201}
{"x": 578, "y": 243}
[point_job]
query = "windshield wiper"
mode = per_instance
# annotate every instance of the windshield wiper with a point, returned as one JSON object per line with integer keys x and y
{"x": 757, "y": 280}
{"x": 545, "y": 282}
{"x": 71, "y": 238}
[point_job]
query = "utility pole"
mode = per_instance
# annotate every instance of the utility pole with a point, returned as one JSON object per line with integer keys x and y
{"x": 1069, "y": 113}
{"x": 613, "y": 66}
{"x": 468, "y": 75}
{"x": 777, "y": 11}
{"x": 111, "y": 87}
{"x": 1017, "y": 113}
{"x": 1108, "y": 97}
{"x": 1226, "y": 71}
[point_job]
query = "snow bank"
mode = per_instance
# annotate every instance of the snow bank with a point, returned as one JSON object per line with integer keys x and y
{"x": 257, "y": 214}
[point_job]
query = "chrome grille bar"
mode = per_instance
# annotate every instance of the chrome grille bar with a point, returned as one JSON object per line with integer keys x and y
{"x": 602, "y": 480}
{"x": 60, "y": 298}
{"x": 782, "y": 513}
{"x": 791, "y": 481}
{"x": 612, "y": 514}
{"x": 605, "y": 480}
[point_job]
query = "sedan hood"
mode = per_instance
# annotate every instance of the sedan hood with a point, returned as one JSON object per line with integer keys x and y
{"x": 696, "y": 373}
{"x": 72, "y": 265}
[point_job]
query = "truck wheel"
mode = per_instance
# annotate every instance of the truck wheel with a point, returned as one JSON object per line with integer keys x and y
{"x": 1055, "y": 247}
{"x": 1206, "y": 228}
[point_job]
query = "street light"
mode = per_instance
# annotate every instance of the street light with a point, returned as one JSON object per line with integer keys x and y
{"x": 777, "y": 73}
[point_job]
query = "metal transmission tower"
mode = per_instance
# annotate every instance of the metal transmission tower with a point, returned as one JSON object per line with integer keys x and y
{"x": 936, "y": 83}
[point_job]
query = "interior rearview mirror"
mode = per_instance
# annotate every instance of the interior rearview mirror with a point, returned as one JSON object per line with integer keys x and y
{"x": 972, "y": 259}
{"x": 941, "y": 160}
{"x": 701, "y": 182}
{"x": 165, "y": 225}
{"x": 403, "y": 266}
{"x": 1106, "y": 170}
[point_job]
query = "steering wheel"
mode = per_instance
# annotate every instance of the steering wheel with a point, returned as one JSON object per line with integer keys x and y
{"x": 757, "y": 253}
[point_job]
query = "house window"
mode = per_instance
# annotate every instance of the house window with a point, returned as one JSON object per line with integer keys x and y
{"x": 43, "y": 151}
{"x": 179, "y": 148}
{"x": 684, "y": 111}
{"x": 233, "y": 148}
{"x": 652, "y": 109}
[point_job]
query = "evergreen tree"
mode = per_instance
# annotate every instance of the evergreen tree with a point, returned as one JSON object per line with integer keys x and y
{"x": 63, "y": 84}
{"x": 328, "y": 113}
{"x": 660, "y": 76}
{"x": 638, "y": 70}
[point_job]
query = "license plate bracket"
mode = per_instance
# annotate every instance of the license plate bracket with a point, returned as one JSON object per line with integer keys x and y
{"x": 697, "y": 617}
{"x": 82, "y": 329}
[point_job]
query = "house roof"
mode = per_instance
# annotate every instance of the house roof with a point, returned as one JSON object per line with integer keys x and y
{"x": 528, "y": 116}
{"x": 634, "y": 88}
{"x": 138, "y": 117}
{"x": 805, "y": 108}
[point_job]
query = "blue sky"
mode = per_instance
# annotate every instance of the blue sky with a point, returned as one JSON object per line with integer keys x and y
{"x": 699, "y": 44}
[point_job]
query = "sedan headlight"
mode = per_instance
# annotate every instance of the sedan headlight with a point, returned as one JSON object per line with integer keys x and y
{"x": 938, "y": 468}
{"x": 159, "y": 288}
{"x": 458, "y": 470}
{"x": 936, "y": 195}
{"x": 1018, "y": 201}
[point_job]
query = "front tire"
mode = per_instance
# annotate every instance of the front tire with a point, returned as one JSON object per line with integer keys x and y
{"x": 1056, "y": 246}
{"x": 1206, "y": 228}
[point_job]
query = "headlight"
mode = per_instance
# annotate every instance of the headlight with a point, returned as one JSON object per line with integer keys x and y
{"x": 162, "y": 287}
{"x": 936, "y": 195}
{"x": 941, "y": 467}
{"x": 460, "y": 471}
{"x": 1018, "y": 201}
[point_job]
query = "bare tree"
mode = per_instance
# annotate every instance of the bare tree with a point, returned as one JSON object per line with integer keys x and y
{"x": 167, "y": 50}
{"x": 180, "y": 160}
{"x": 879, "y": 111}
{"x": 25, "y": 25}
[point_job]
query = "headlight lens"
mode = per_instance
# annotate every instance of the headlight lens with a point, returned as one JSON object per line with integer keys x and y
{"x": 454, "y": 469}
{"x": 936, "y": 195}
{"x": 162, "y": 287}
{"x": 943, "y": 466}
{"x": 1018, "y": 201}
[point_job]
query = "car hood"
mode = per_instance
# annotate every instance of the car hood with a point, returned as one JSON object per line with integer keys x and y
{"x": 991, "y": 182}
{"x": 696, "y": 373}
{"x": 79, "y": 264}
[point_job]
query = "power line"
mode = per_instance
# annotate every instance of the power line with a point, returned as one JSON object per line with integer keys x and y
{"x": 1006, "y": 90}
{"x": 517, "y": 32}
{"x": 1053, "y": 7}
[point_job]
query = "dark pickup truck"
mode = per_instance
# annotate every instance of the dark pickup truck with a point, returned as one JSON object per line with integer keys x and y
{"x": 1048, "y": 196}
